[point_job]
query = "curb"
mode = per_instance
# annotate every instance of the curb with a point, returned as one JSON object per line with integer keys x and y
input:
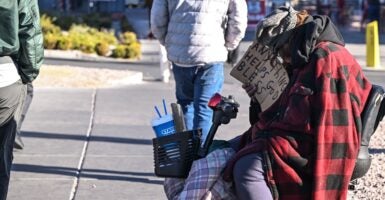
{"x": 135, "y": 77}
{"x": 380, "y": 69}
{"x": 78, "y": 55}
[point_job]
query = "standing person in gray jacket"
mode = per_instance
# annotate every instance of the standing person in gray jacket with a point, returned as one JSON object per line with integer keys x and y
{"x": 21, "y": 55}
{"x": 198, "y": 35}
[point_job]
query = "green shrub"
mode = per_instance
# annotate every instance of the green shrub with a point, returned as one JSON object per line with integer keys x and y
{"x": 87, "y": 46}
{"x": 127, "y": 51}
{"x": 81, "y": 29}
{"x": 106, "y": 36}
{"x": 50, "y": 40}
{"x": 119, "y": 51}
{"x": 48, "y": 26}
{"x": 128, "y": 38}
{"x": 134, "y": 50}
{"x": 64, "y": 43}
{"x": 76, "y": 40}
{"x": 83, "y": 38}
{"x": 102, "y": 48}
{"x": 90, "y": 40}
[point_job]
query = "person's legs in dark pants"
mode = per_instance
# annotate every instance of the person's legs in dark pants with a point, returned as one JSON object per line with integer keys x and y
{"x": 7, "y": 136}
{"x": 184, "y": 91}
{"x": 233, "y": 56}
{"x": 28, "y": 99}
{"x": 11, "y": 102}
{"x": 249, "y": 178}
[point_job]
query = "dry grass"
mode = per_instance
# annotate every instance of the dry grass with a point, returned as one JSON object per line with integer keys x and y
{"x": 78, "y": 77}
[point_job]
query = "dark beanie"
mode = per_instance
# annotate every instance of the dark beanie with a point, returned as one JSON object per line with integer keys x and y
{"x": 276, "y": 28}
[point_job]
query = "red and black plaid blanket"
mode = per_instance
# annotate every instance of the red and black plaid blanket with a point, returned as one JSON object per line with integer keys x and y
{"x": 310, "y": 136}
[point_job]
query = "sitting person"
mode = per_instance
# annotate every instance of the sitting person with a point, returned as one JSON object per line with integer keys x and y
{"x": 305, "y": 145}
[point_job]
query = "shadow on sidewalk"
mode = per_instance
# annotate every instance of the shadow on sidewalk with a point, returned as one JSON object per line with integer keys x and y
{"x": 98, "y": 174}
{"x": 124, "y": 140}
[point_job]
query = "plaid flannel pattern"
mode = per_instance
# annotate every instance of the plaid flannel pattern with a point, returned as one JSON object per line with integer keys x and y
{"x": 204, "y": 180}
{"x": 311, "y": 135}
{"x": 344, "y": 91}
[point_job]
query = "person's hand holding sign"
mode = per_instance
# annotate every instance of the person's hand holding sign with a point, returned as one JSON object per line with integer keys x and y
{"x": 250, "y": 90}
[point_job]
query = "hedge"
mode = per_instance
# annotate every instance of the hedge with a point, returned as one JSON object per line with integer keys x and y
{"x": 89, "y": 40}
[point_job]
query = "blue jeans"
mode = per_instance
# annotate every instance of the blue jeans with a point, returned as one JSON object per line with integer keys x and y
{"x": 194, "y": 88}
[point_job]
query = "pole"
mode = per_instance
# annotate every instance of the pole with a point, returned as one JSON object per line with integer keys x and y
{"x": 372, "y": 45}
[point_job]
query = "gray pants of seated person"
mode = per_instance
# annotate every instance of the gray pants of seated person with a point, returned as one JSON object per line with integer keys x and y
{"x": 249, "y": 176}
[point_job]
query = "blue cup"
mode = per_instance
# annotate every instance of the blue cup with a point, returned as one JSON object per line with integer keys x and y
{"x": 163, "y": 126}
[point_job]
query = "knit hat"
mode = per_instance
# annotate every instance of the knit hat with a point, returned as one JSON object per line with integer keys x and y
{"x": 276, "y": 28}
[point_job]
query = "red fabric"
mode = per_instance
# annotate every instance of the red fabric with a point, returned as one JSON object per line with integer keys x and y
{"x": 310, "y": 135}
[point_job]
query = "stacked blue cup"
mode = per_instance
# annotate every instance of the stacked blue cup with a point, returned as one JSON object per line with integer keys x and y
{"x": 163, "y": 125}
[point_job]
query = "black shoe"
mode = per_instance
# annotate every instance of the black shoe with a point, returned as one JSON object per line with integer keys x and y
{"x": 18, "y": 142}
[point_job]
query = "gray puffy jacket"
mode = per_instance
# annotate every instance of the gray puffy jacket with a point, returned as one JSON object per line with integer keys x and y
{"x": 198, "y": 31}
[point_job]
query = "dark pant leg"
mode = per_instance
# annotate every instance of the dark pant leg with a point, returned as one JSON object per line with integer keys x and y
{"x": 184, "y": 91}
{"x": 27, "y": 103}
{"x": 11, "y": 102}
{"x": 249, "y": 178}
{"x": 7, "y": 137}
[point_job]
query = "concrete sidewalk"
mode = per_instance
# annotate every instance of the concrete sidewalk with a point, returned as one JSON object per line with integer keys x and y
{"x": 96, "y": 143}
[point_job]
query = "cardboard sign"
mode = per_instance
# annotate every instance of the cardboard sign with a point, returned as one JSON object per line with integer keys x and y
{"x": 259, "y": 66}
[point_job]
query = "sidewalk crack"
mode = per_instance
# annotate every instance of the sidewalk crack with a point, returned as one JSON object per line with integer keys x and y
{"x": 85, "y": 147}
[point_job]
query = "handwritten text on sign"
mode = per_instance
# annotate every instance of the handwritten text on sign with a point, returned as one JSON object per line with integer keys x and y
{"x": 259, "y": 66}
